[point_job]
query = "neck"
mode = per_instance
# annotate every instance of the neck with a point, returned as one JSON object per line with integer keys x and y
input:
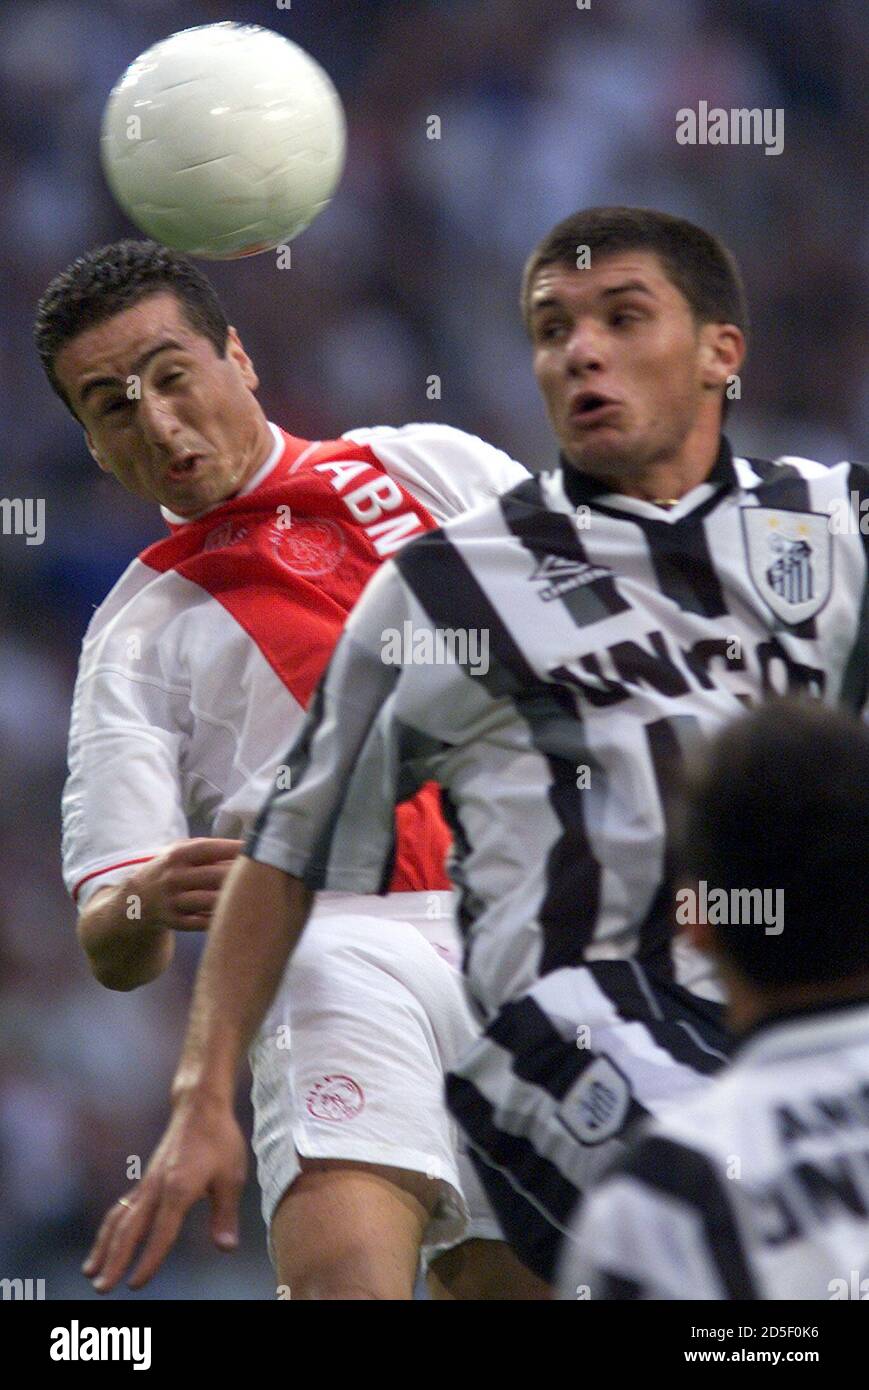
{"x": 749, "y": 1004}
{"x": 663, "y": 477}
{"x": 254, "y": 455}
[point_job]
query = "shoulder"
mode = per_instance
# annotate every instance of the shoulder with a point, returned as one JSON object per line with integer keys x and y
{"x": 448, "y": 468}
{"x": 487, "y": 519}
{"x": 137, "y": 614}
{"x": 443, "y": 557}
{"x": 674, "y": 1159}
{"x": 807, "y": 468}
{"x": 833, "y": 478}
{"x": 763, "y": 473}
{"x": 123, "y": 596}
{"x": 420, "y": 434}
{"x": 687, "y": 1150}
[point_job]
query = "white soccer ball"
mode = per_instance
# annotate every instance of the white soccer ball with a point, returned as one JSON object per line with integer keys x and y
{"x": 223, "y": 140}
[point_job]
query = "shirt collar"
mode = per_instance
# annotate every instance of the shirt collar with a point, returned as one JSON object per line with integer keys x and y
{"x": 779, "y": 1031}
{"x": 262, "y": 473}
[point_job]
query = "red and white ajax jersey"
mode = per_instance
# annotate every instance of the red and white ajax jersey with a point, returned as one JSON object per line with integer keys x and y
{"x": 197, "y": 667}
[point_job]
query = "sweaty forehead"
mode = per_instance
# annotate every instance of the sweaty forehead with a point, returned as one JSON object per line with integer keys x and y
{"x": 126, "y": 334}
{"x": 568, "y": 283}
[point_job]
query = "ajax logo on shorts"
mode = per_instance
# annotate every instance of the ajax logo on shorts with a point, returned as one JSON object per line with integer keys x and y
{"x": 335, "y": 1098}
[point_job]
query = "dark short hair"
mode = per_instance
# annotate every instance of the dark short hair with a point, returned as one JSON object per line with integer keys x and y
{"x": 780, "y": 800}
{"x": 696, "y": 262}
{"x": 112, "y": 278}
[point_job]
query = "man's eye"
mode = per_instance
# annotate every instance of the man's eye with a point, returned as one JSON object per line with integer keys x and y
{"x": 626, "y": 316}
{"x": 549, "y": 330}
{"x": 173, "y": 376}
{"x": 120, "y": 404}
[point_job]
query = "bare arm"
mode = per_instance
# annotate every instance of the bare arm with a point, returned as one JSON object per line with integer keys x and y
{"x": 260, "y": 917}
{"x": 127, "y": 930}
{"x": 122, "y": 952}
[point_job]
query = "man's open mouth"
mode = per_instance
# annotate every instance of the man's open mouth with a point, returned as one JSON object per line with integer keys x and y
{"x": 182, "y": 468}
{"x": 590, "y": 407}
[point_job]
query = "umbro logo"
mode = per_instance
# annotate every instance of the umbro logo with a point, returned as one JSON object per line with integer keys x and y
{"x": 559, "y": 575}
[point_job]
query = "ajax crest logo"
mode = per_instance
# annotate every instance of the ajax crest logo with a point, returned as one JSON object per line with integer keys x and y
{"x": 227, "y": 533}
{"x": 310, "y": 546}
{"x": 790, "y": 560}
{"x": 335, "y": 1098}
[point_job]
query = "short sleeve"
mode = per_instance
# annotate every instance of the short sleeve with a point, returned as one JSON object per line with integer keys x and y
{"x": 122, "y": 800}
{"x": 446, "y": 469}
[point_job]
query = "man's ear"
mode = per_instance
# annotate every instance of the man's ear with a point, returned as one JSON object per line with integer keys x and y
{"x": 94, "y": 455}
{"x": 235, "y": 350}
{"x": 722, "y": 353}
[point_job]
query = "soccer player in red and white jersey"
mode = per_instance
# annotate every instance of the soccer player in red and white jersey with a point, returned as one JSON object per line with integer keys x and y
{"x": 194, "y": 676}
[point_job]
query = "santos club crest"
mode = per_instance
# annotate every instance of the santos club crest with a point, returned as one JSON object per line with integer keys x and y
{"x": 790, "y": 560}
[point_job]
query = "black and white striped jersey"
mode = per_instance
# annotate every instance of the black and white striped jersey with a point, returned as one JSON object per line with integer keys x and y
{"x": 547, "y": 659}
{"x": 756, "y": 1188}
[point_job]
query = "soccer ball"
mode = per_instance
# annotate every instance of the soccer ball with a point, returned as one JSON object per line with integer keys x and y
{"x": 223, "y": 140}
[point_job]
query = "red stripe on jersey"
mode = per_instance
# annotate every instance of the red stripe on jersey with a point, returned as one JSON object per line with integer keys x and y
{"x": 288, "y": 561}
{"x": 123, "y": 864}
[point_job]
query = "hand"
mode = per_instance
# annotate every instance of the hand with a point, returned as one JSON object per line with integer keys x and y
{"x": 179, "y": 887}
{"x": 203, "y": 1153}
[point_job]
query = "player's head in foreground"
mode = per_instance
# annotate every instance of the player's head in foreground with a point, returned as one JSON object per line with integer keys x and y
{"x": 781, "y": 801}
{"x": 637, "y": 321}
{"x": 135, "y": 342}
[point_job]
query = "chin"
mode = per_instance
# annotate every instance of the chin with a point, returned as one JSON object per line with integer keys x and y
{"x": 187, "y": 506}
{"x": 602, "y": 454}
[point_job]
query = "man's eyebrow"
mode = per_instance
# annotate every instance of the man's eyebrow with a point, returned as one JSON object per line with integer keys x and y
{"x": 137, "y": 367}
{"x": 538, "y": 306}
{"x": 629, "y": 286}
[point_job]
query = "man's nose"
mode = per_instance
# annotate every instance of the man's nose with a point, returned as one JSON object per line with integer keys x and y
{"x": 585, "y": 347}
{"x": 158, "y": 420}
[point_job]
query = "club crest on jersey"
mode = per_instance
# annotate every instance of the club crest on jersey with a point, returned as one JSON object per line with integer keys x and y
{"x": 561, "y": 574}
{"x": 596, "y": 1106}
{"x": 309, "y": 546}
{"x": 790, "y": 560}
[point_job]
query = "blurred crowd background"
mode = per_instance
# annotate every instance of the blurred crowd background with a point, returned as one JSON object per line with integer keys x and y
{"x": 413, "y": 271}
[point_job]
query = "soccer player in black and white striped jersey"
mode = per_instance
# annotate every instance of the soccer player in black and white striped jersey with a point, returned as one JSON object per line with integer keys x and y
{"x": 758, "y": 1187}
{"x": 549, "y": 659}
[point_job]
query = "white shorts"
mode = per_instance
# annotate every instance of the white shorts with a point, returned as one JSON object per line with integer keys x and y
{"x": 378, "y": 1014}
